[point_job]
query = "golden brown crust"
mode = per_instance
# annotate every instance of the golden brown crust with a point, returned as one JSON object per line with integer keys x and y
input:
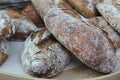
{"x": 73, "y": 13}
{"x": 16, "y": 14}
{"x": 43, "y": 6}
{"x": 3, "y": 50}
{"x": 3, "y": 58}
{"x": 30, "y": 12}
{"x": 23, "y": 24}
{"x": 85, "y": 7}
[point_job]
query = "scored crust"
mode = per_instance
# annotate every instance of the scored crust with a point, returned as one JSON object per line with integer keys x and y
{"x": 104, "y": 26}
{"x": 45, "y": 5}
{"x": 14, "y": 24}
{"x": 43, "y": 56}
{"x": 16, "y": 14}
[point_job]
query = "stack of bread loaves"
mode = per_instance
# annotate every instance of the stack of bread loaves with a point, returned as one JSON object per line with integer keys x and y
{"x": 93, "y": 40}
{"x": 14, "y": 24}
{"x": 88, "y": 29}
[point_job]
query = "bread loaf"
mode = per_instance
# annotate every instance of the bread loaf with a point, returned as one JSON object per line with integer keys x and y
{"x": 116, "y": 3}
{"x": 85, "y": 7}
{"x": 7, "y": 28}
{"x": 111, "y": 14}
{"x": 104, "y": 26}
{"x": 23, "y": 25}
{"x": 86, "y": 41}
{"x": 43, "y": 56}
{"x": 42, "y": 6}
{"x": 4, "y": 47}
{"x": 102, "y": 1}
{"x": 30, "y": 12}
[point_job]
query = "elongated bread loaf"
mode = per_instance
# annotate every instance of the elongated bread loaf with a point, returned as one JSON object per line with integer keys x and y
{"x": 16, "y": 24}
{"x": 85, "y": 7}
{"x": 111, "y": 33}
{"x": 85, "y": 41}
{"x": 111, "y": 14}
{"x": 30, "y": 12}
{"x": 42, "y": 6}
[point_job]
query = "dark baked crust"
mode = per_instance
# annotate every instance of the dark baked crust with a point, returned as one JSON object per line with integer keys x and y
{"x": 16, "y": 14}
{"x": 46, "y": 5}
{"x": 43, "y": 56}
{"x": 85, "y": 7}
{"x": 105, "y": 27}
{"x": 23, "y": 24}
{"x": 3, "y": 50}
{"x": 30, "y": 12}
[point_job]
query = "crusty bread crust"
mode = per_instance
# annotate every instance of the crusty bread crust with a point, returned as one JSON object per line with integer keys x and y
{"x": 23, "y": 26}
{"x": 30, "y": 12}
{"x": 85, "y": 7}
{"x": 111, "y": 14}
{"x": 45, "y": 5}
{"x": 86, "y": 41}
{"x": 43, "y": 56}
{"x": 104, "y": 26}
{"x": 4, "y": 47}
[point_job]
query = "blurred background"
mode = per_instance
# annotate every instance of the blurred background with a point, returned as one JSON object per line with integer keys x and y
{"x": 13, "y": 3}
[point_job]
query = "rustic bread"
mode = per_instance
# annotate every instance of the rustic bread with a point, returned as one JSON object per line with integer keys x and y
{"x": 43, "y": 56}
{"x": 7, "y": 27}
{"x": 111, "y": 14}
{"x": 45, "y": 5}
{"x": 16, "y": 14}
{"x": 30, "y": 12}
{"x": 102, "y": 1}
{"x": 23, "y": 25}
{"x": 104, "y": 26}
{"x": 83, "y": 39}
{"x": 116, "y": 3}
{"x": 3, "y": 50}
{"x": 85, "y": 7}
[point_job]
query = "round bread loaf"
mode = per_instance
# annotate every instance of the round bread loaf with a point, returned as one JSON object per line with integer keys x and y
{"x": 43, "y": 56}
